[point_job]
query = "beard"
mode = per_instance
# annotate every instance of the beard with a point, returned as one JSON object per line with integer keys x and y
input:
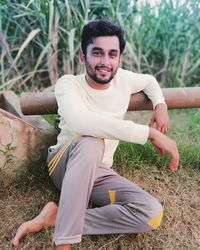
{"x": 93, "y": 73}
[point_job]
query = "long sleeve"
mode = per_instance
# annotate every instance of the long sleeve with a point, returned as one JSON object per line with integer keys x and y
{"x": 153, "y": 91}
{"x": 146, "y": 83}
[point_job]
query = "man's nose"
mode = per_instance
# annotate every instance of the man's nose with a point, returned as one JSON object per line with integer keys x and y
{"x": 105, "y": 60}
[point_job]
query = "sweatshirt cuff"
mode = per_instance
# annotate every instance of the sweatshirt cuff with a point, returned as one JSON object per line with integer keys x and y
{"x": 158, "y": 101}
{"x": 140, "y": 133}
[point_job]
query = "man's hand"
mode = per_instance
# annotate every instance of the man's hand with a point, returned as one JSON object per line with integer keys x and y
{"x": 160, "y": 117}
{"x": 165, "y": 145}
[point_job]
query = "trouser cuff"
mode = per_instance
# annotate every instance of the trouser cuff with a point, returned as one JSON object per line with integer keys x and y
{"x": 67, "y": 240}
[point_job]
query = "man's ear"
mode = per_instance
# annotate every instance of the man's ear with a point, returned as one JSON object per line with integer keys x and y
{"x": 82, "y": 56}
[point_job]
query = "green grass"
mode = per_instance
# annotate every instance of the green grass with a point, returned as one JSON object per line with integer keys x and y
{"x": 187, "y": 129}
{"x": 51, "y": 118}
{"x": 178, "y": 192}
{"x": 184, "y": 129}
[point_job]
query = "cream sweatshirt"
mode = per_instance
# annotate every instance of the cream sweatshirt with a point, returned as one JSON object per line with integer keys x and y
{"x": 99, "y": 113}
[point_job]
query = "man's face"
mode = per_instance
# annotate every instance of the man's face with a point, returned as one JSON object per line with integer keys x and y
{"x": 102, "y": 59}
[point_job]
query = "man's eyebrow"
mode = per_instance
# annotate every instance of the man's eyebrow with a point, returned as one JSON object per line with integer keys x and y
{"x": 98, "y": 48}
{"x": 114, "y": 50}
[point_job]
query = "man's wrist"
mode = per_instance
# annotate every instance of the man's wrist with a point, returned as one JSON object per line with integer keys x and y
{"x": 152, "y": 133}
{"x": 161, "y": 106}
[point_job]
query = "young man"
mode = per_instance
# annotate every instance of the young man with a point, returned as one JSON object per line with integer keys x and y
{"x": 92, "y": 107}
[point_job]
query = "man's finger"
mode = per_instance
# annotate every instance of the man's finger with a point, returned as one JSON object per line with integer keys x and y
{"x": 159, "y": 127}
{"x": 164, "y": 129}
{"x": 151, "y": 122}
{"x": 174, "y": 162}
{"x": 168, "y": 125}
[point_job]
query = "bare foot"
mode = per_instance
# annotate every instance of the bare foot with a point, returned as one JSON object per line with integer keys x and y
{"x": 46, "y": 217}
{"x": 63, "y": 247}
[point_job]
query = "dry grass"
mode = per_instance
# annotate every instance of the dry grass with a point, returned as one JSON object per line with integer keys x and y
{"x": 178, "y": 192}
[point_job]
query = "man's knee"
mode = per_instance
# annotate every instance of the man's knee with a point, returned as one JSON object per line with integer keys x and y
{"x": 155, "y": 221}
{"x": 154, "y": 212}
{"x": 148, "y": 215}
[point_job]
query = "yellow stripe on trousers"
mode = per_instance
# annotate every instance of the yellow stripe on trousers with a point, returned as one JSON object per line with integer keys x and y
{"x": 54, "y": 161}
{"x": 112, "y": 196}
{"x": 156, "y": 221}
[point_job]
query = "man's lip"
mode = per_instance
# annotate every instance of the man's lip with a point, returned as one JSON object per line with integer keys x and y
{"x": 103, "y": 69}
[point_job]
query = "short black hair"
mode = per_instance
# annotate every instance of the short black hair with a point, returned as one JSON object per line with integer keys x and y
{"x": 101, "y": 27}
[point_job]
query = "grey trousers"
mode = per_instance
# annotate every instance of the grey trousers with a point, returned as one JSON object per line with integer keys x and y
{"x": 120, "y": 205}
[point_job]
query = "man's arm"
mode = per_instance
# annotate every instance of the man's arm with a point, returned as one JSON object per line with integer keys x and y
{"x": 165, "y": 145}
{"x": 160, "y": 115}
{"x": 157, "y": 136}
{"x": 149, "y": 85}
{"x": 160, "y": 118}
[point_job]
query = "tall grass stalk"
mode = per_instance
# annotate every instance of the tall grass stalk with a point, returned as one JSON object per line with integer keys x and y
{"x": 40, "y": 40}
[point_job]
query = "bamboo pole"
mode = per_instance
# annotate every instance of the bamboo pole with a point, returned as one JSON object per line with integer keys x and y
{"x": 176, "y": 98}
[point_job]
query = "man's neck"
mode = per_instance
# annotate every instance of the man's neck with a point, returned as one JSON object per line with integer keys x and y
{"x": 96, "y": 85}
